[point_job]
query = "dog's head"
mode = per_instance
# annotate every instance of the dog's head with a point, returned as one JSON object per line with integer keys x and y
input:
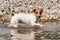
{"x": 38, "y": 12}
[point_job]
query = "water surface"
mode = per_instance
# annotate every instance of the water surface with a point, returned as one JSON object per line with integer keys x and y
{"x": 48, "y": 26}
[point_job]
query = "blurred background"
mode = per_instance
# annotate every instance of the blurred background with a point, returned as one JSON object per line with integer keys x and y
{"x": 51, "y": 8}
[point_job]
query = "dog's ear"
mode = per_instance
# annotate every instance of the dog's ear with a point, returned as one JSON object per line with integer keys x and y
{"x": 34, "y": 10}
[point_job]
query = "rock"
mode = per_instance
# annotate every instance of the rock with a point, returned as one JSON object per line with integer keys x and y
{"x": 1, "y": 20}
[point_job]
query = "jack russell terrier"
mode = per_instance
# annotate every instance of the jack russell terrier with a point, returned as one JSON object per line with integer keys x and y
{"x": 29, "y": 18}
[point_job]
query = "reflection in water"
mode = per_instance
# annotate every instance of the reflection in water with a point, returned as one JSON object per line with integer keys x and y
{"x": 48, "y": 26}
{"x": 1, "y": 38}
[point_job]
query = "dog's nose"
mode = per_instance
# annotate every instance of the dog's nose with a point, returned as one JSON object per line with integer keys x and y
{"x": 39, "y": 16}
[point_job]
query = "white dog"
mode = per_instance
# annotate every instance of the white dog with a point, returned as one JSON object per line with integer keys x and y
{"x": 29, "y": 18}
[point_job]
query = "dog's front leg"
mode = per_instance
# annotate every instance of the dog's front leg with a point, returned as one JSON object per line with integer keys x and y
{"x": 33, "y": 23}
{"x": 39, "y": 24}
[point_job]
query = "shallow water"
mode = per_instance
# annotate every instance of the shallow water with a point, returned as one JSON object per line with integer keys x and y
{"x": 4, "y": 31}
{"x": 52, "y": 26}
{"x": 48, "y": 26}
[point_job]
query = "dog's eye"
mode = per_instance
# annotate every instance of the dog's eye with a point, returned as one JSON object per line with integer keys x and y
{"x": 36, "y": 12}
{"x": 40, "y": 13}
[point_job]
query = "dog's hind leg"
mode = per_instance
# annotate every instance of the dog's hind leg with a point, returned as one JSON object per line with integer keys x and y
{"x": 14, "y": 22}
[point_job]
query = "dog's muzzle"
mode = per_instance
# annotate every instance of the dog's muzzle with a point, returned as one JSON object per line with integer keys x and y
{"x": 39, "y": 16}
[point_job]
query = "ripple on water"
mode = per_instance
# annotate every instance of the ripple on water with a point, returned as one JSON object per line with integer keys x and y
{"x": 1, "y": 38}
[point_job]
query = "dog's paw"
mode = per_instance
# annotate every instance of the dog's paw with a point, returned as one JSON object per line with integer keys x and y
{"x": 15, "y": 26}
{"x": 10, "y": 25}
{"x": 41, "y": 25}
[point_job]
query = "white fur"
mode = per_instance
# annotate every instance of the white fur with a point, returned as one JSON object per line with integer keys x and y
{"x": 26, "y": 18}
